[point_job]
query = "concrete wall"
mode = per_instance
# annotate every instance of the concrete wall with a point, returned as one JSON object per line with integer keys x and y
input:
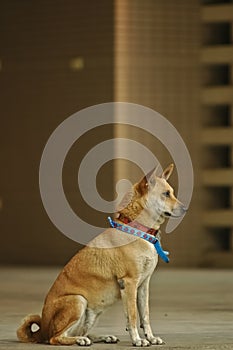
{"x": 157, "y": 65}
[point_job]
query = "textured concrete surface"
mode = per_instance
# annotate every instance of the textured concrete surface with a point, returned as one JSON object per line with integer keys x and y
{"x": 190, "y": 309}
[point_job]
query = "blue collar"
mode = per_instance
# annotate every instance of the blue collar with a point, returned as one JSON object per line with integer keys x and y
{"x": 146, "y": 236}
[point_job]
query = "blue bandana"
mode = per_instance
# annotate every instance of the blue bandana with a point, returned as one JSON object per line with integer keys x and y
{"x": 146, "y": 236}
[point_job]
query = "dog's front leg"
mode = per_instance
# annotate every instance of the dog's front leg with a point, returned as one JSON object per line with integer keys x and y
{"x": 143, "y": 308}
{"x": 128, "y": 289}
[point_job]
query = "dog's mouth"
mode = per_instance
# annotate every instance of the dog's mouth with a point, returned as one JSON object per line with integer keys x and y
{"x": 175, "y": 213}
{"x": 171, "y": 215}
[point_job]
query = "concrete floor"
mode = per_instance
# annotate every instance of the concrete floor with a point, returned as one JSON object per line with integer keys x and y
{"x": 190, "y": 309}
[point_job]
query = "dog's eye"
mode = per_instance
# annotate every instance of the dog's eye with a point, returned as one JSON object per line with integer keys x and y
{"x": 167, "y": 194}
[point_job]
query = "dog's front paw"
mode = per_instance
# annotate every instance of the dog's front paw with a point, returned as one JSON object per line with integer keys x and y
{"x": 83, "y": 341}
{"x": 156, "y": 341}
{"x": 141, "y": 342}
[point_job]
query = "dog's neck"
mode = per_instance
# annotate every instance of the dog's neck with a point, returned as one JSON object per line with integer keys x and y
{"x": 144, "y": 219}
{"x": 155, "y": 221}
{"x": 135, "y": 212}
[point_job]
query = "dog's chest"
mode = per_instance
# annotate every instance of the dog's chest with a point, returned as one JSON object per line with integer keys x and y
{"x": 147, "y": 261}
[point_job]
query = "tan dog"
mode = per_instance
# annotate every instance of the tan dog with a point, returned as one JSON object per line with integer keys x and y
{"x": 96, "y": 277}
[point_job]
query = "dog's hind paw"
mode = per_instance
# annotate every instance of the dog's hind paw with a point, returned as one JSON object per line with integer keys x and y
{"x": 111, "y": 339}
{"x": 156, "y": 341}
{"x": 141, "y": 342}
{"x": 83, "y": 341}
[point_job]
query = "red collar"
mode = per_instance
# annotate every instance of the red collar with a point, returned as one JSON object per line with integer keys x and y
{"x": 137, "y": 225}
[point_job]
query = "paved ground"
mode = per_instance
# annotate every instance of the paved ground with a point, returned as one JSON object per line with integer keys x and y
{"x": 190, "y": 309}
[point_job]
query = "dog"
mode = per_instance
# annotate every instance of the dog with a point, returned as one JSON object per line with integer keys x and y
{"x": 97, "y": 277}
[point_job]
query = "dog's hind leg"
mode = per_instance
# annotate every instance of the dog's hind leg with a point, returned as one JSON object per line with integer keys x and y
{"x": 143, "y": 309}
{"x": 68, "y": 324}
{"x": 91, "y": 318}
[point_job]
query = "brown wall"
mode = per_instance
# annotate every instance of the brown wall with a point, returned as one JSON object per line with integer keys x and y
{"x": 58, "y": 57}
{"x": 39, "y": 89}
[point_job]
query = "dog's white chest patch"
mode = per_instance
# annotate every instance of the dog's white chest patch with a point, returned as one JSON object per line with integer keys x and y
{"x": 147, "y": 263}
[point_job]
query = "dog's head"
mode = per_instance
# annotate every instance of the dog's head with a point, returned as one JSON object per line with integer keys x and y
{"x": 159, "y": 195}
{"x": 154, "y": 197}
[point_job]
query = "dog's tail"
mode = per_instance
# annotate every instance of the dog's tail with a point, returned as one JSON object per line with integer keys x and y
{"x": 25, "y": 333}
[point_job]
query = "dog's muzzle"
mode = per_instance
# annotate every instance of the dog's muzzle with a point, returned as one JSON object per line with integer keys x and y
{"x": 176, "y": 212}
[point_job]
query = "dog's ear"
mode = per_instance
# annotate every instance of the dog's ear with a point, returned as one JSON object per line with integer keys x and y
{"x": 167, "y": 172}
{"x": 127, "y": 198}
{"x": 148, "y": 179}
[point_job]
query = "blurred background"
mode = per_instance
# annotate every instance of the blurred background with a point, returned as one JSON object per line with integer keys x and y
{"x": 58, "y": 57}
